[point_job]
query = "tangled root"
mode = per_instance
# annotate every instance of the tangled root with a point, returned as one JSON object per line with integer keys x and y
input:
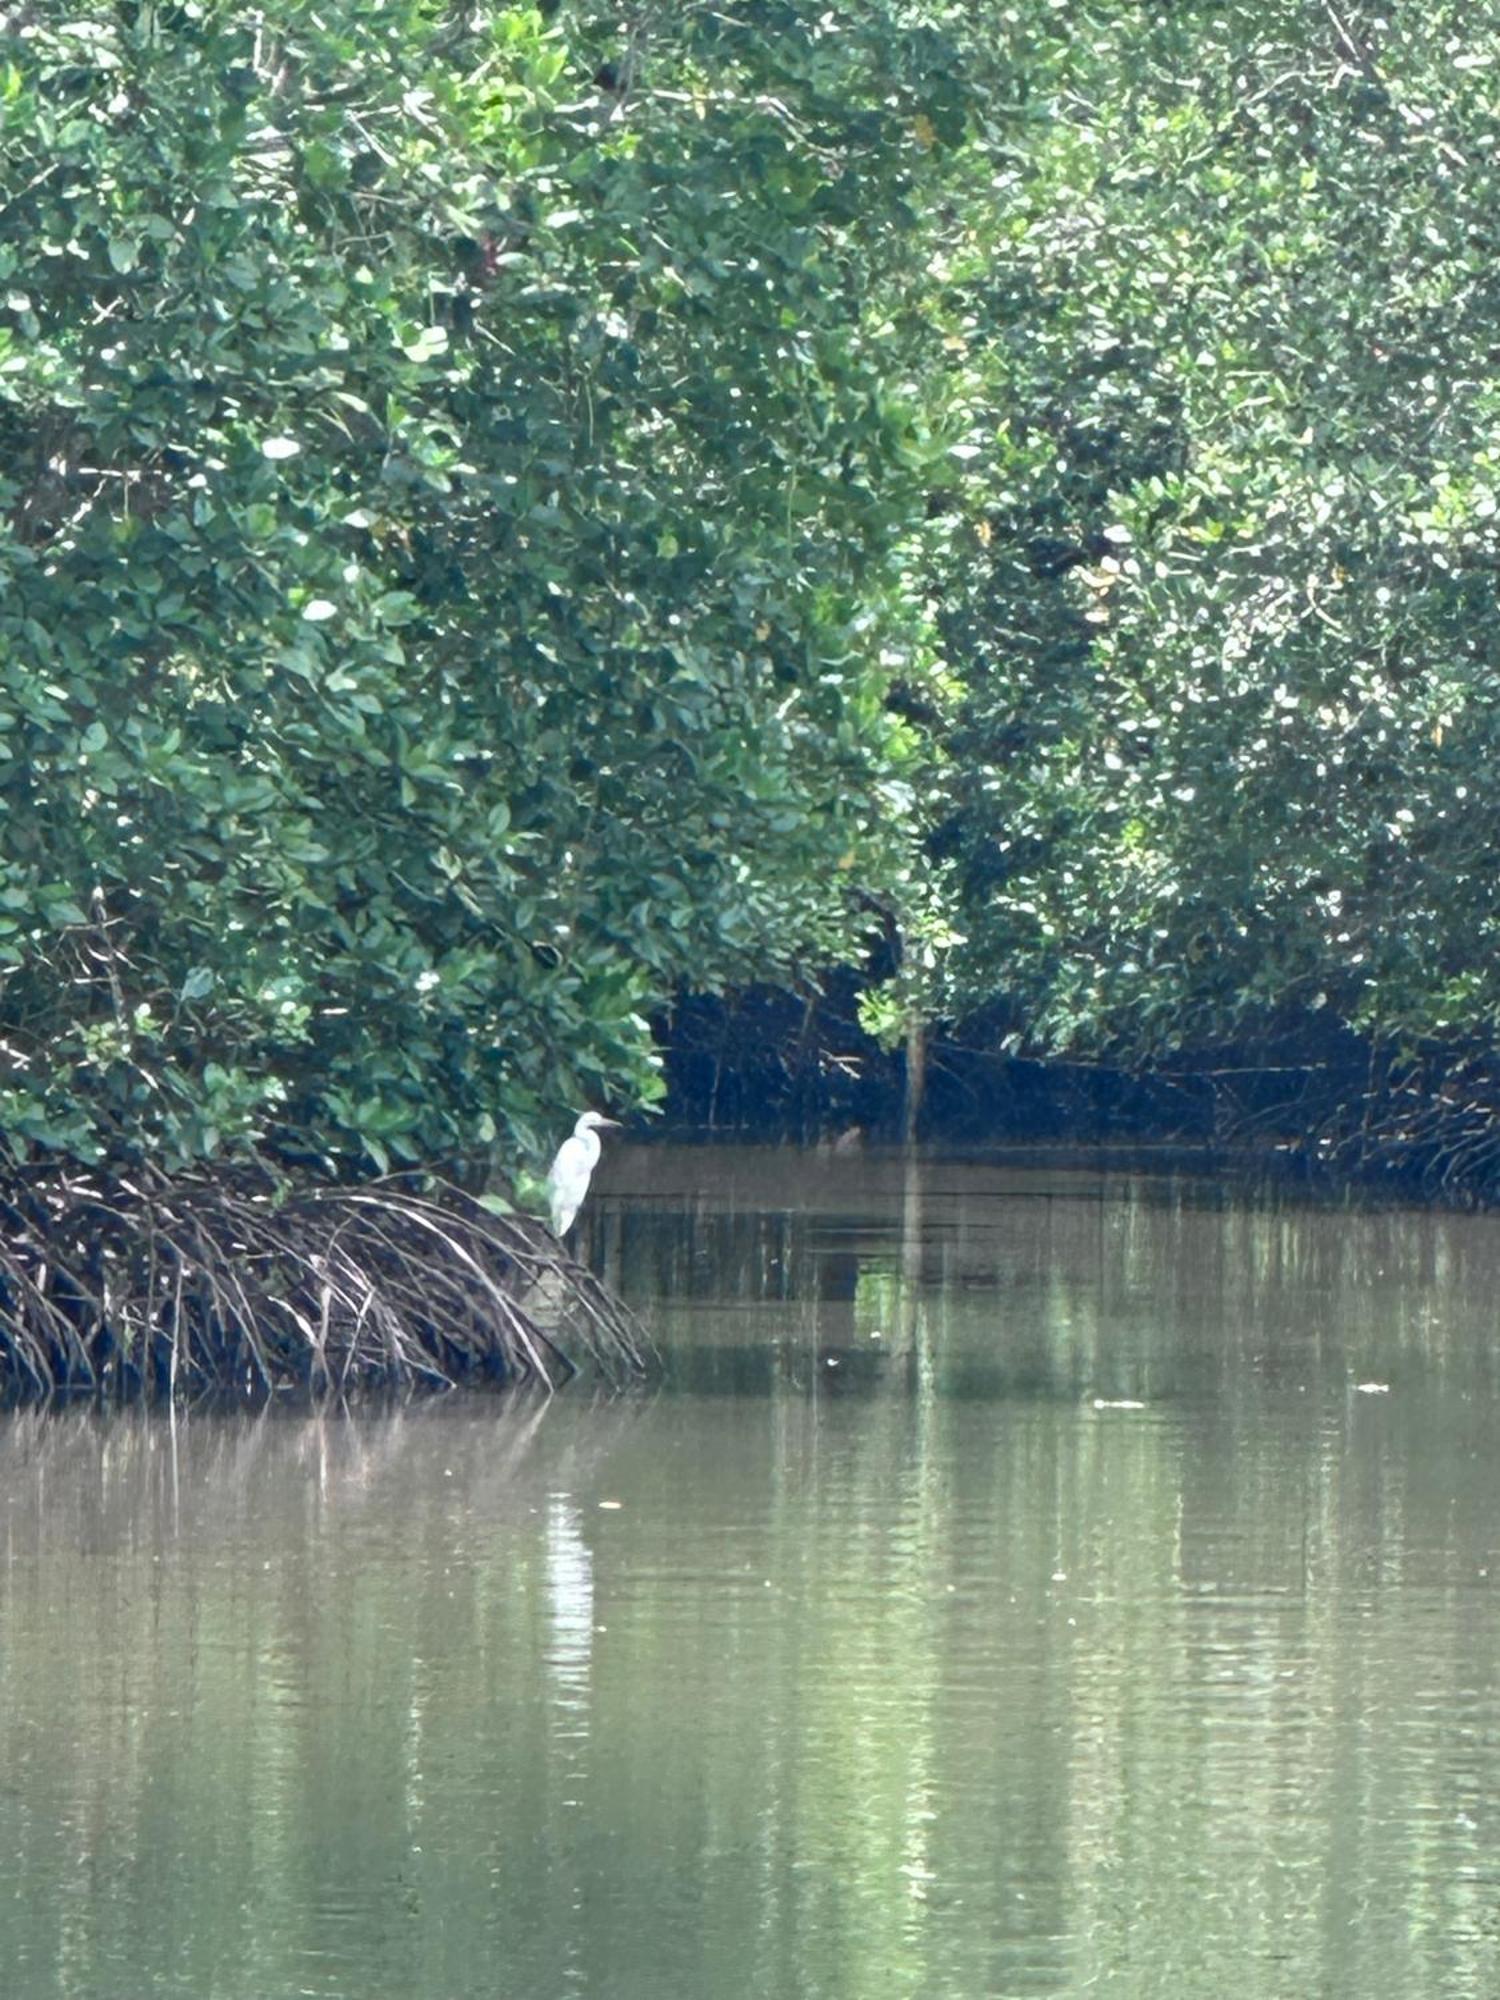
{"x": 183, "y": 1285}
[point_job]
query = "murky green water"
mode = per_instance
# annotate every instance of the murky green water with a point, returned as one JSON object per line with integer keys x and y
{"x": 879, "y": 1654}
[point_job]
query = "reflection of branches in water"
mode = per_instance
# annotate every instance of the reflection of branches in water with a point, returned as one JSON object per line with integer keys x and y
{"x": 702, "y": 1253}
{"x": 84, "y": 1471}
{"x": 817, "y": 1271}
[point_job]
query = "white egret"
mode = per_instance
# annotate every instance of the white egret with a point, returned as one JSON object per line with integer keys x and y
{"x": 568, "y": 1182}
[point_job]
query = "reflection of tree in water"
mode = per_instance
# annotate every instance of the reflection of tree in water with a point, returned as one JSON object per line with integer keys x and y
{"x": 741, "y": 1298}
{"x": 998, "y": 1280}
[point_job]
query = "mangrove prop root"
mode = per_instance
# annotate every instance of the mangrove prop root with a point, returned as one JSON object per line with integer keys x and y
{"x": 180, "y": 1286}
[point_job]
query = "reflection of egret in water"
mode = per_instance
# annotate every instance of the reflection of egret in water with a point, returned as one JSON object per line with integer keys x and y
{"x": 570, "y": 1610}
{"x": 570, "y": 1651}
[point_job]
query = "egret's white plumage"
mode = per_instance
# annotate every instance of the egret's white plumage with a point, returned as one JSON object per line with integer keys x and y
{"x": 568, "y": 1182}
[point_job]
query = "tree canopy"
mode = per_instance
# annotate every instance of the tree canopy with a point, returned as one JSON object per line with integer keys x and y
{"x": 451, "y": 544}
{"x": 1227, "y": 624}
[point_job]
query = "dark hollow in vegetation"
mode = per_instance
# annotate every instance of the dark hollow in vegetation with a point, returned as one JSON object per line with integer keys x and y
{"x": 168, "y": 1285}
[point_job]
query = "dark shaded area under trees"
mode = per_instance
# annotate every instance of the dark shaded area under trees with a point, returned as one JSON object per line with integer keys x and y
{"x": 1316, "y": 1100}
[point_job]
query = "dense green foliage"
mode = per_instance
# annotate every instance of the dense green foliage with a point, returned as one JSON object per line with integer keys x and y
{"x": 1228, "y": 625}
{"x": 451, "y": 544}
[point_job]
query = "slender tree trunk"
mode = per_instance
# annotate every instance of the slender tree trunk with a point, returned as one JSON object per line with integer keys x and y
{"x": 916, "y": 1073}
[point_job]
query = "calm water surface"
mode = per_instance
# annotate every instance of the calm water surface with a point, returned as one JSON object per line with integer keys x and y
{"x": 882, "y": 1651}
